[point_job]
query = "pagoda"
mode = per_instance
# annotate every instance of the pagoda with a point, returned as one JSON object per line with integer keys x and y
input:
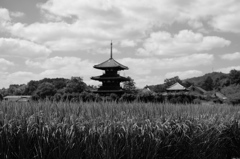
{"x": 110, "y": 79}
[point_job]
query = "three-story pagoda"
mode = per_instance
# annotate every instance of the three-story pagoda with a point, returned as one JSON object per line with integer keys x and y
{"x": 110, "y": 79}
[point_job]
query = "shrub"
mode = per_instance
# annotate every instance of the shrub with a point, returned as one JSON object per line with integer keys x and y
{"x": 128, "y": 97}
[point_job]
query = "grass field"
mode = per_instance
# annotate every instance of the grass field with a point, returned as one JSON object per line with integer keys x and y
{"x": 108, "y": 130}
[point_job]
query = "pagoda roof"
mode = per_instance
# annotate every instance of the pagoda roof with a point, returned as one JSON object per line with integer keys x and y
{"x": 176, "y": 87}
{"x": 110, "y": 63}
{"x": 99, "y": 78}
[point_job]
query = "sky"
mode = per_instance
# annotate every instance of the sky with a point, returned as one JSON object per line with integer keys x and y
{"x": 156, "y": 39}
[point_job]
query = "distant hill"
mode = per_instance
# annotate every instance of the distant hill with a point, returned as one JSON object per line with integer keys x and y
{"x": 221, "y": 78}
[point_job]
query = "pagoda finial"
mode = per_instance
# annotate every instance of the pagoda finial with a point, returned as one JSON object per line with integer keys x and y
{"x": 111, "y": 50}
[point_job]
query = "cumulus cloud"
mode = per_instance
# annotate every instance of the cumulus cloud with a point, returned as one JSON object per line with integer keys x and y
{"x": 227, "y": 22}
{"x": 55, "y": 67}
{"x": 145, "y": 66}
{"x": 81, "y": 25}
{"x": 19, "y": 77}
{"x": 195, "y": 24}
{"x": 185, "y": 42}
{"x": 142, "y": 81}
{"x": 4, "y": 64}
{"x": 184, "y": 74}
{"x": 105, "y": 51}
{"x": 61, "y": 36}
{"x": 220, "y": 14}
{"x": 17, "y": 14}
{"x": 4, "y": 15}
{"x": 64, "y": 67}
{"x": 231, "y": 56}
{"x": 22, "y": 48}
{"x": 128, "y": 43}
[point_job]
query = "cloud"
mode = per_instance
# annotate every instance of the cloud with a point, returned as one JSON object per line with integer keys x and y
{"x": 22, "y": 48}
{"x": 61, "y": 36}
{"x": 4, "y": 15}
{"x": 55, "y": 67}
{"x": 184, "y": 74}
{"x": 231, "y": 56}
{"x": 220, "y": 14}
{"x": 128, "y": 43}
{"x": 82, "y": 25}
{"x": 195, "y": 24}
{"x": 64, "y": 67}
{"x": 17, "y": 14}
{"x": 147, "y": 65}
{"x": 228, "y": 69}
{"x": 19, "y": 77}
{"x": 147, "y": 80}
{"x": 227, "y": 22}
{"x": 185, "y": 42}
{"x": 4, "y": 64}
{"x": 105, "y": 51}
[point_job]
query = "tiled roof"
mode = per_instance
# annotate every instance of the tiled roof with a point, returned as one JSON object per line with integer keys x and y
{"x": 199, "y": 88}
{"x": 220, "y": 95}
{"x": 110, "y": 78}
{"x": 110, "y": 63}
{"x": 176, "y": 86}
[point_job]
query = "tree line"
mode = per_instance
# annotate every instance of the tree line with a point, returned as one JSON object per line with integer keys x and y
{"x": 76, "y": 89}
{"x": 47, "y": 87}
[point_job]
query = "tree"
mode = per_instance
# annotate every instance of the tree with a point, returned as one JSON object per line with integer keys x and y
{"x": 12, "y": 89}
{"x": 32, "y": 87}
{"x": 59, "y": 83}
{"x": 21, "y": 90}
{"x": 234, "y": 77}
{"x": 171, "y": 81}
{"x": 45, "y": 89}
{"x": 4, "y": 92}
{"x": 75, "y": 85}
{"x": 217, "y": 84}
{"x": 187, "y": 84}
{"x": 158, "y": 88}
{"x": 129, "y": 86}
{"x": 208, "y": 84}
{"x": 233, "y": 93}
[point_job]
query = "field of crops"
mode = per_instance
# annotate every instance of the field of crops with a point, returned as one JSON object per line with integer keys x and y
{"x": 108, "y": 130}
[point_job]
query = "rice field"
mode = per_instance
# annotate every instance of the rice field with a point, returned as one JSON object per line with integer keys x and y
{"x": 109, "y": 130}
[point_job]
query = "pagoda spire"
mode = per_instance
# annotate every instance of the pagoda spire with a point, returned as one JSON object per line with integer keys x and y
{"x": 111, "y": 50}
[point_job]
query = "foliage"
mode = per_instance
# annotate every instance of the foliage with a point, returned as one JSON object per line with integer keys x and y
{"x": 45, "y": 89}
{"x": 128, "y": 97}
{"x": 171, "y": 81}
{"x": 160, "y": 88}
{"x": 129, "y": 86}
{"x": 233, "y": 93}
{"x": 76, "y": 85}
{"x": 208, "y": 84}
{"x": 47, "y": 130}
{"x": 234, "y": 77}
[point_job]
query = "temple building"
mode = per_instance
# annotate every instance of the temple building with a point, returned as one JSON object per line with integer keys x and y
{"x": 110, "y": 79}
{"x": 176, "y": 88}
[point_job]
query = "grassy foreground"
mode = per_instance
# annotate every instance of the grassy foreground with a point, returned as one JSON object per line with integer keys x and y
{"x": 47, "y": 130}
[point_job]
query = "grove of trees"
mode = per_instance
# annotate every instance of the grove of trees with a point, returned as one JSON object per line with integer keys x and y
{"x": 47, "y": 87}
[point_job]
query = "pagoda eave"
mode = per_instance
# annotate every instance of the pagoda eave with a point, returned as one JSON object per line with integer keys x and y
{"x": 107, "y": 68}
{"x": 120, "y": 78}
